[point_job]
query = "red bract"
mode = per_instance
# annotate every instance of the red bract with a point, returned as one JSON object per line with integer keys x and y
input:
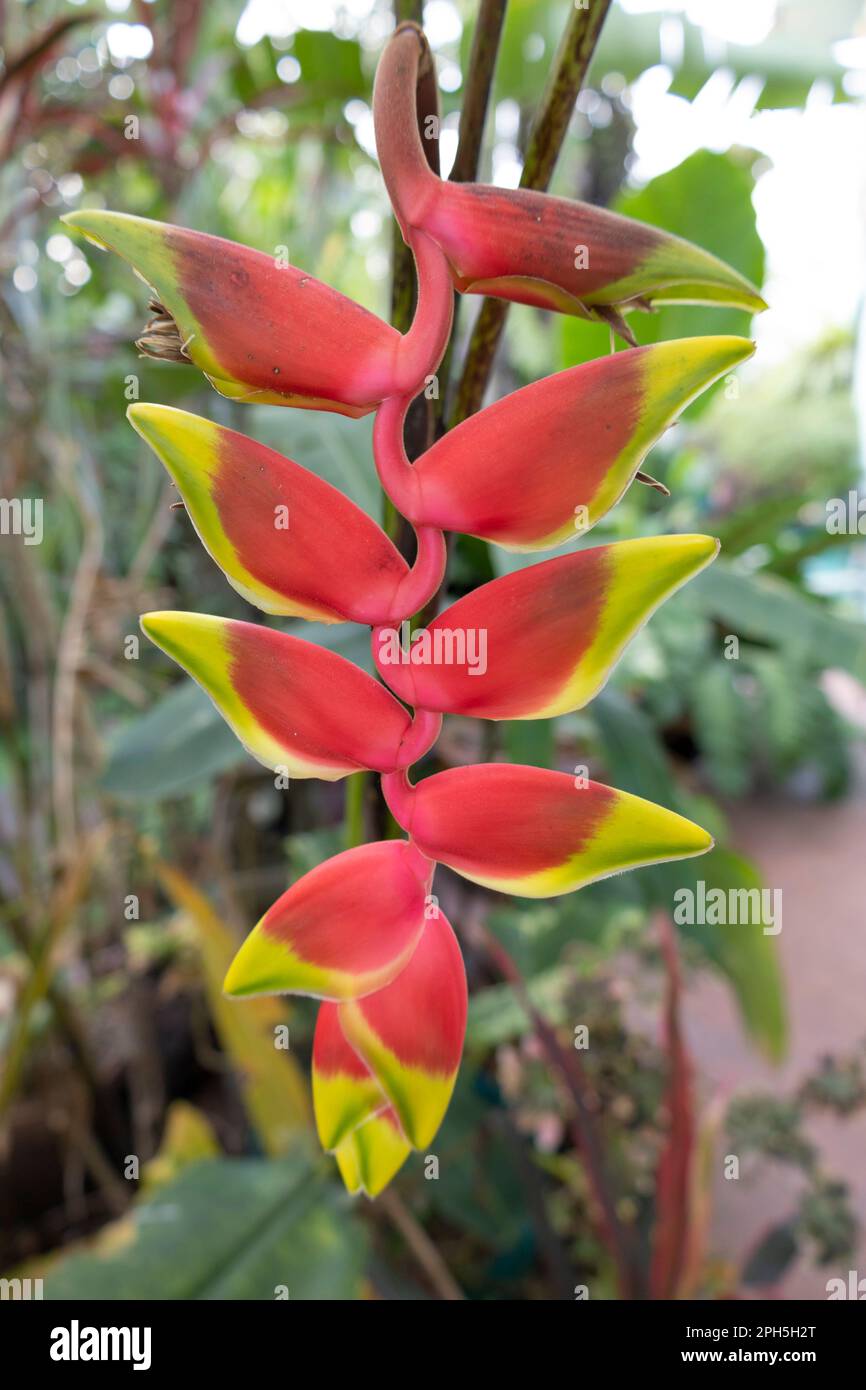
{"x": 361, "y": 932}
{"x": 547, "y": 462}
{"x": 542, "y": 641}
{"x": 521, "y": 245}
{"x": 263, "y": 331}
{"x": 298, "y": 708}
{"x": 343, "y": 930}
{"x": 297, "y": 546}
{"x": 535, "y": 833}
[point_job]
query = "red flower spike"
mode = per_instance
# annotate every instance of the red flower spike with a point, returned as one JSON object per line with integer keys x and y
{"x": 266, "y": 332}
{"x": 544, "y": 640}
{"x": 535, "y": 833}
{"x": 270, "y": 547}
{"x": 521, "y": 245}
{"x": 548, "y": 461}
{"x": 295, "y": 706}
{"x": 528, "y": 473}
{"x": 411, "y": 1033}
{"x": 345, "y": 929}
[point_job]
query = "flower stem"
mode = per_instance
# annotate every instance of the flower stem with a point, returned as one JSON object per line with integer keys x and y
{"x": 476, "y": 93}
{"x": 356, "y": 794}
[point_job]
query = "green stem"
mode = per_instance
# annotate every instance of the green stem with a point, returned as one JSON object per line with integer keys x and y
{"x": 476, "y": 93}
{"x": 567, "y": 74}
{"x": 356, "y": 796}
{"x": 473, "y": 117}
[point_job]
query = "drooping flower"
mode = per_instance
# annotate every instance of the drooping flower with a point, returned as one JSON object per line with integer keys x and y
{"x": 541, "y": 641}
{"x": 361, "y": 932}
{"x": 296, "y": 546}
{"x": 296, "y": 707}
{"x": 548, "y": 461}
{"x": 345, "y": 929}
{"x": 535, "y": 833}
{"x": 264, "y": 331}
{"x": 531, "y": 247}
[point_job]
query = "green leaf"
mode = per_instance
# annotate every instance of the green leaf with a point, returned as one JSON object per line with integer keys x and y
{"x": 178, "y": 744}
{"x": 531, "y": 741}
{"x": 745, "y": 956}
{"x": 224, "y": 1229}
{"x": 496, "y": 1014}
{"x": 797, "y": 51}
{"x": 772, "y": 1257}
{"x": 721, "y": 717}
{"x": 768, "y": 610}
{"x": 330, "y": 67}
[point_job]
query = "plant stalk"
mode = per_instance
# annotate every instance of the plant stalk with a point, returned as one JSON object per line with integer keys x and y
{"x": 567, "y": 75}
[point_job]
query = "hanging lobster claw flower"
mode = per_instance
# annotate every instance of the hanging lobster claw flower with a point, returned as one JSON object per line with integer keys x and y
{"x": 544, "y": 640}
{"x": 554, "y": 253}
{"x": 548, "y": 461}
{"x": 259, "y": 329}
{"x": 295, "y": 706}
{"x": 263, "y": 331}
{"x": 372, "y": 1154}
{"x": 535, "y": 833}
{"x": 522, "y": 245}
{"x": 345, "y": 929}
{"x": 410, "y": 1034}
{"x": 293, "y": 545}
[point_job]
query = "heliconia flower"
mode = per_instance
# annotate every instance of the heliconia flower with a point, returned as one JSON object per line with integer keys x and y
{"x": 541, "y": 641}
{"x": 264, "y": 331}
{"x": 343, "y": 930}
{"x": 555, "y": 253}
{"x": 535, "y": 833}
{"x": 284, "y": 538}
{"x": 521, "y": 245}
{"x": 372, "y": 1154}
{"x": 295, "y": 706}
{"x": 548, "y": 461}
{"x": 410, "y": 1034}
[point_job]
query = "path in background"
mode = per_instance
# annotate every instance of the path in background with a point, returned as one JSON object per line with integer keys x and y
{"x": 817, "y": 856}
